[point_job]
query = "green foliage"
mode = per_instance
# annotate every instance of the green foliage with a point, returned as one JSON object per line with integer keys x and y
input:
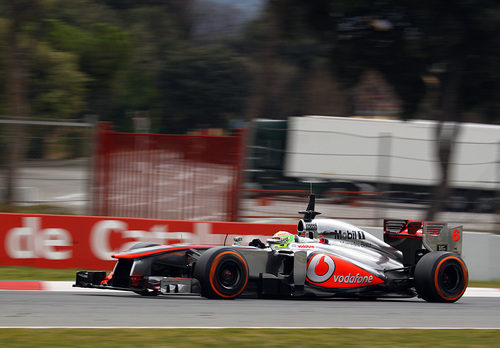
{"x": 102, "y": 50}
{"x": 3, "y": 57}
{"x": 153, "y": 35}
{"x": 118, "y": 57}
{"x": 64, "y": 37}
{"x": 105, "y": 52}
{"x": 287, "y": 64}
{"x": 80, "y": 13}
{"x": 57, "y": 87}
{"x": 202, "y": 86}
{"x": 406, "y": 41}
{"x": 121, "y": 4}
{"x": 138, "y": 92}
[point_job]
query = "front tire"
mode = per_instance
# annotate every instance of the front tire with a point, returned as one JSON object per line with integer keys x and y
{"x": 441, "y": 277}
{"x": 222, "y": 273}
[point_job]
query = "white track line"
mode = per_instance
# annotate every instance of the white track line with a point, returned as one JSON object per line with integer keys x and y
{"x": 68, "y": 286}
{"x": 482, "y": 292}
{"x": 254, "y": 327}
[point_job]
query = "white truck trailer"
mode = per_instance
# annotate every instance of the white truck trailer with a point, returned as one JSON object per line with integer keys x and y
{"x": 395, "y": 155}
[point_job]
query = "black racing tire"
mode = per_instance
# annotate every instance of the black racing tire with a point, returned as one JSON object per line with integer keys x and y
{"x": 222, "y": 273}
{"x": 441, "y": 277}
{"x": 142, "y": 245}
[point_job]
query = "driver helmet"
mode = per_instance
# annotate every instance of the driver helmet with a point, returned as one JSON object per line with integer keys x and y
{"x": 283, "y": 239}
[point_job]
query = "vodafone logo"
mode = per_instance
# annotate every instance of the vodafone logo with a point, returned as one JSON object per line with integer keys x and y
{"x": 320, "y": 268}
{"x": 331, "y": 272}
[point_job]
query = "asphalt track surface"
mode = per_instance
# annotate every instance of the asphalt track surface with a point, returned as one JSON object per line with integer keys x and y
{"x": 112, "y": 309}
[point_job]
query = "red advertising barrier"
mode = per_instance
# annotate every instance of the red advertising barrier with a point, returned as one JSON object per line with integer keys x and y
{"x": 182, "y": 177}
{"x": 61, "y": 241}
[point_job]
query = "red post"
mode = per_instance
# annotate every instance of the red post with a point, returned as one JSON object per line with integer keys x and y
{"x": 239, "y": 173}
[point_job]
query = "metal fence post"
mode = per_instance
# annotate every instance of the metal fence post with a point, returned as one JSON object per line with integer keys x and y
{"x": 239, "y": 169}
{"x": 91, "y": 161}
{"x": 383, "y": 170}
{"x": 497, "y": 196}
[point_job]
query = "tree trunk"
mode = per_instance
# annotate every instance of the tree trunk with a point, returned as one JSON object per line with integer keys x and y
{"x": 17, "y": 103}
{"x": 445, "y": 141}
{"x": 446, "y": 133}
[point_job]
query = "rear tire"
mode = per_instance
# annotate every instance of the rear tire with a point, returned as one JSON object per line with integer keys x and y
{"x": 222, "y": 273}
{"x": 441, "y": 277}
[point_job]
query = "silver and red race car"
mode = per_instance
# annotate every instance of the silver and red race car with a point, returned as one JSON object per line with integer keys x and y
{"x": 325, "y": 258}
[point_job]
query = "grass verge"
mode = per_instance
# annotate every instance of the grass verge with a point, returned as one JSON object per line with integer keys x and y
{"x": 32, "y": 273}
{"x": 242, "y": 338}
{"x": 492, "y": 284}
{"x": 34, "y": 209}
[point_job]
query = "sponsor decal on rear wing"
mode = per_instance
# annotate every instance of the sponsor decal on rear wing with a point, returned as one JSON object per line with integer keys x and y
{"x": 438, "y": 236}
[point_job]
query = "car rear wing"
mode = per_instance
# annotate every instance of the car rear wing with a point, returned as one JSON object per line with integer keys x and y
{"x": 438, "y": 236}
{"x": 435, "y": 236}
{"x": 403, "y": 228}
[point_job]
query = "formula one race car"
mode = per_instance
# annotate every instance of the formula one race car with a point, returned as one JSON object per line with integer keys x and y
{"x": 328, "y": 258}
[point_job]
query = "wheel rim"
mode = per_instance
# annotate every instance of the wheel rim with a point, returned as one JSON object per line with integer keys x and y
{"x": 451, "y": 279}
{"x": 228, "y": 275}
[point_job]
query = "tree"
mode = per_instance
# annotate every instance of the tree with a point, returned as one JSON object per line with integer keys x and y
{"x": 21, "y": 14}
{"x": 153, "y": 35}
{"x": 202, "y": 87}
{"x": 57, "y": 87}
{"x": 101, "y": 51}
{"x": 177, "y": 11}
{"x": 454, "y": 46}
